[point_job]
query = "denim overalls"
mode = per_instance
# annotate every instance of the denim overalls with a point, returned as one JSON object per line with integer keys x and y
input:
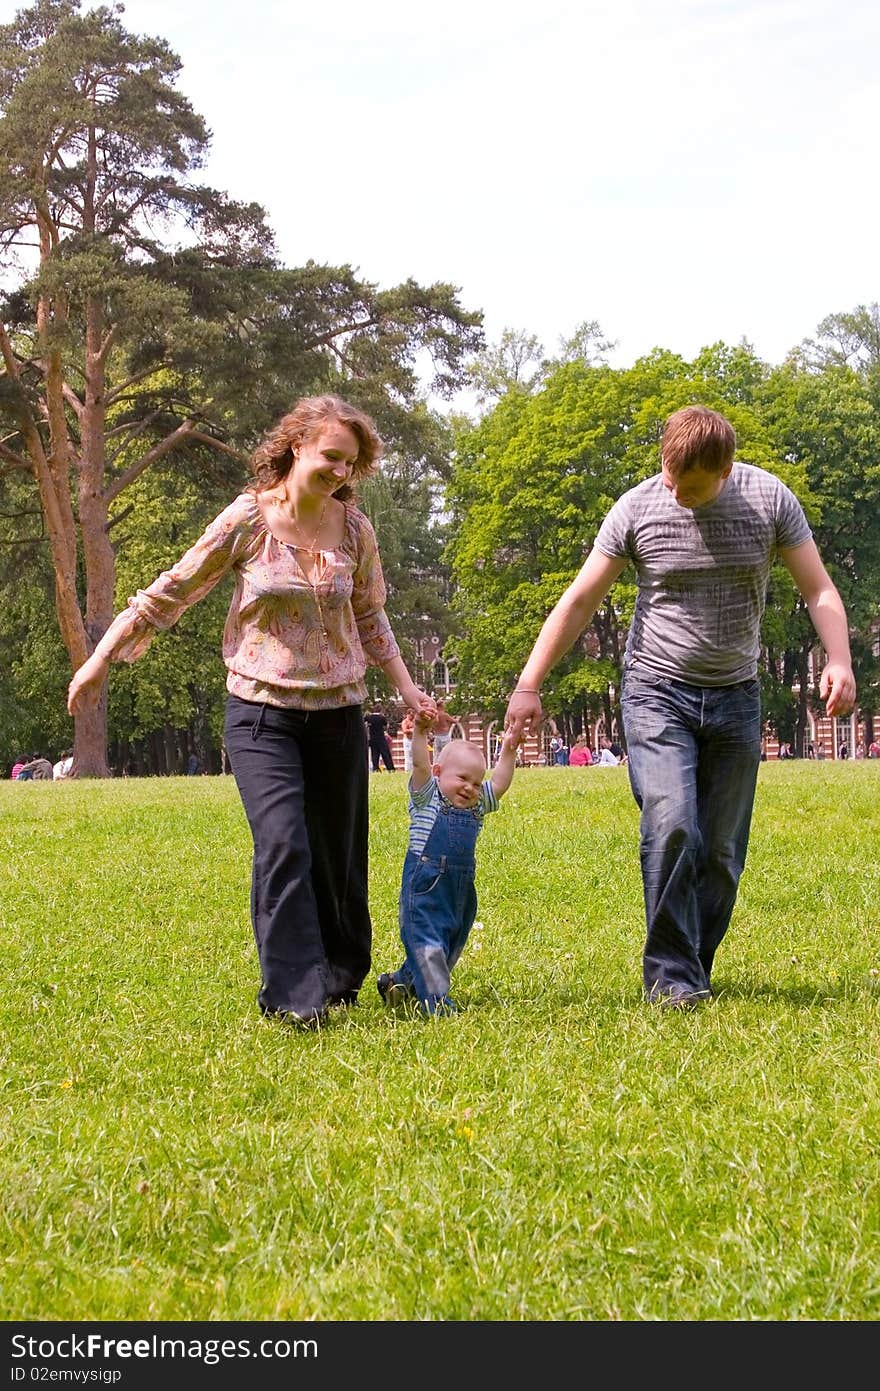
{"x": 438, "y": 904}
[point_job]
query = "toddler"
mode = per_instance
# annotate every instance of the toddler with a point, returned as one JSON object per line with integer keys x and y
{"x": 438, "y": 900}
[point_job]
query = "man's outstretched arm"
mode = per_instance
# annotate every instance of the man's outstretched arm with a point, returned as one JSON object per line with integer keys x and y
{"x": 565, "y": 622}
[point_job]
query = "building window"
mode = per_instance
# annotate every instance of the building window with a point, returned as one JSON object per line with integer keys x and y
{"x": 440, "y": 676}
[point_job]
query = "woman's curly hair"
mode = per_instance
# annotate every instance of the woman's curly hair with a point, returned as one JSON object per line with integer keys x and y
{"x": 272, "y": 459}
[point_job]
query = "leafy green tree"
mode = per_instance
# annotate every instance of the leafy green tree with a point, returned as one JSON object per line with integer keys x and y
{"x": 587, "y": 344}
{"x": 826, "y": 422}
{"x": 122, "y": 348}
{"x": 849, "y": 339}
{"x": 32, "y": 671}
{"x": 530, "y": 486}
{"x": 169, "y": 703}
{"x": 515, "y": 363}
{"x": 532, "y": 483}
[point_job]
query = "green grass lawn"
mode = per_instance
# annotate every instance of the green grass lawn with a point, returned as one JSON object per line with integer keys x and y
{"x": 559, "y": 1151}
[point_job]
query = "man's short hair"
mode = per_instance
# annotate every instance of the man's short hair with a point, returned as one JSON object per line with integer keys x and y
{"x": 696, "y": 437}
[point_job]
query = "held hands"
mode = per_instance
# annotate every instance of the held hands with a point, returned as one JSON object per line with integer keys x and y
{"x": 524, "y": 715}
{"x": 418, "y": 701}
{"x": 424, "y": 721}
{"x": 505, "y": 763}
{"x": 837, "y": 687}
{"x": 85, "y": 687}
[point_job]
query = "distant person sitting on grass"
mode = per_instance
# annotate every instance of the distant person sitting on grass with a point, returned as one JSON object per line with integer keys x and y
{"x": 580, "y": 756}
{"x": 62, "y": 768}
{"x": 38, "y": 768}
{"x": 438, "y": 899}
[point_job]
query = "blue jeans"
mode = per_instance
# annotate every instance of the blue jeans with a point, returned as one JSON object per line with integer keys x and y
{"x": 694, "y": 753}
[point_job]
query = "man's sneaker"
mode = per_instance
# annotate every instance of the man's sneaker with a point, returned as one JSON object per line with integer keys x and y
{"x": 393, "y": 992}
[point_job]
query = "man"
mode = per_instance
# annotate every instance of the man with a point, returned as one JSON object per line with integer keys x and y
{"x": 377, "y": 741}
{"x": 702, "y": 536}
{"x": 62, "y": 768}
{"x": 607, "y": 757}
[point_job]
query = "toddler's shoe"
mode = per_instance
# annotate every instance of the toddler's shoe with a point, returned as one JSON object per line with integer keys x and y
{"x": 393, "y": 992}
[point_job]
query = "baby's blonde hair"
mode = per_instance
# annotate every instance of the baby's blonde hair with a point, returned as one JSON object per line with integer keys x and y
{"x": 452, "y": 752}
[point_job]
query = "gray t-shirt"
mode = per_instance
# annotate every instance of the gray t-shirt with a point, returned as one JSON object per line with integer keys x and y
{"x": 702, "y": 573}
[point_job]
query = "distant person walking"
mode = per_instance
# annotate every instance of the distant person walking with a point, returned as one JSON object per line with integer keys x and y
{"x": 377, "y": 741}
{"x": 701, "y": 534}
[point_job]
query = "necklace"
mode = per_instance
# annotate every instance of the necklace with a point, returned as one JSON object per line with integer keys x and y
{"x": 310, "y": 547}
{"x": 312, "y": 573}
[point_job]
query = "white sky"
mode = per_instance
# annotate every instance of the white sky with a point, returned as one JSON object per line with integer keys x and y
{"x": 682, "y": 171}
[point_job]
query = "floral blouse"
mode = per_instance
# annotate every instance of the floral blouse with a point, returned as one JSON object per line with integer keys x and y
{"x": 286, "y": 642}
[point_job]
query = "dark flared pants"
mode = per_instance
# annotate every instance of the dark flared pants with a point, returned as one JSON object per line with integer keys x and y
{"x": 303, "y": 781}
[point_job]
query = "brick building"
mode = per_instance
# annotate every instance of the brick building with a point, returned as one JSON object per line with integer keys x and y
{"x": 437, "y": 676}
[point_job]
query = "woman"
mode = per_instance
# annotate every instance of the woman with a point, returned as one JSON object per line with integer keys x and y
{"x": 306, "y": 617}
{"x": 580, "y": 756}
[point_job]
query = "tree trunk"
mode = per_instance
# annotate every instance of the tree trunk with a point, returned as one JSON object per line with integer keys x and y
{"x": 99, "y": 560}
{"x": 803, "y": 670}
{"x": 90, "y": 741}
